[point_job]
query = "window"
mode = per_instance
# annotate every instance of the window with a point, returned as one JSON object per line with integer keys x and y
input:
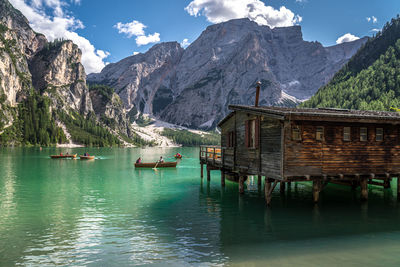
{"x": 320, "y": 133}
{"x": 363, "y": 134}
{"x": 252, "y": 129}
{"x": 230, "y": 139}
{"x": 346, "y": 133}
{"x": 296, "y": 134}
{"x": 379, "y": 134}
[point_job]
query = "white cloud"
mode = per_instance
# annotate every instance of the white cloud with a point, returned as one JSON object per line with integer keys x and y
{"x": 136, "y": 28}
{"x": 217, "y": 11}
{"x": 61, "y": 25}
{"x": 372, "y": 18}
{"x": 185, "y": 43}
{"x": 136, "y": 53}
{"x": 375, "y": 30}
{"x": 151, "y": 38}
{"x": 348, "y": 37}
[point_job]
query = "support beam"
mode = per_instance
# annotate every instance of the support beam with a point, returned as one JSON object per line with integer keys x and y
{"x": 282, "y": 187}
{"x": 398, "y": 187}
{"x": 241, "y": 184}
{"x": 202, "y": 170}
{"x": 267, "y": 188}
{"x": 364, "y": 189}
{"x": 222, "y": 178}
{"x": 259, "y": 181}
{"x": 316, "y": 189}
{"x": 208, "y": 173}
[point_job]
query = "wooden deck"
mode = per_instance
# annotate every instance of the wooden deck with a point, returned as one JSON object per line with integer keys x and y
{"x": 215, "y": 158}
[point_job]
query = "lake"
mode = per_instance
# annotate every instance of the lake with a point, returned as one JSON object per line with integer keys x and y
{"x": 106, "y": 213}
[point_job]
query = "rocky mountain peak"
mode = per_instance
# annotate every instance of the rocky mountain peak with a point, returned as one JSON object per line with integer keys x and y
{"x": 193, "y": 87}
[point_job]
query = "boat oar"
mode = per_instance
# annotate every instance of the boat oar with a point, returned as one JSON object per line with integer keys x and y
{"x": 155, "y": 167}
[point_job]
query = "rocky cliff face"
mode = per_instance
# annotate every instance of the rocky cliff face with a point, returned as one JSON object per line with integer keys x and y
{"x": 57, "y": 72}
{"x": 193, "y": 87}
{"x": 137, "y": 78}
{"x": 18, "y": 44}
{"x": 111, "y": 110}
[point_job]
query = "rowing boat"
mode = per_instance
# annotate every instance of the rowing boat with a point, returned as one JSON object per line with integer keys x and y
{"x": 86, "y": 157}
{"x": 63, "y": 156}
{"x": 155, "y": 164}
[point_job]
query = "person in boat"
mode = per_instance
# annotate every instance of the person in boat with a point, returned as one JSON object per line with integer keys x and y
{"x": 161, "y": 160}
{"x": 61, "y": 154}
{"x": 139, "y": 160}
{"x": 178, "y": 155}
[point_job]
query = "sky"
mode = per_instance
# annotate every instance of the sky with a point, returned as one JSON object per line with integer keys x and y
{"x": 108, "y": 31}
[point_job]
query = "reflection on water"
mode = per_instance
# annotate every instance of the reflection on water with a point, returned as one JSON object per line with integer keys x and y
{"x": 106, "y": 212}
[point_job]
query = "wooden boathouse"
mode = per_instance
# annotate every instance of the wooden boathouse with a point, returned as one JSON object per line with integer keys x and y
{"x": 284, "y": 145}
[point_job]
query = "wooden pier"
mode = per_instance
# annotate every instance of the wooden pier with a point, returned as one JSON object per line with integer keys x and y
{"x": 320, "y": 146}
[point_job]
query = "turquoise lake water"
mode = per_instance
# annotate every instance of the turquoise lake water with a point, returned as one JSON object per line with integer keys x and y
{"x": 106, "y": 213}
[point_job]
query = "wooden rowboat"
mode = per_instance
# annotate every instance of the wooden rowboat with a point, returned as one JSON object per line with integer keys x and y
{"x": 154, "y": 164}
{"x": 63, "y": 156}
{"x": 86, "y": 157}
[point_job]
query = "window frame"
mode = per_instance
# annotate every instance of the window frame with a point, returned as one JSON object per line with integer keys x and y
{"x": 297, "y": 128}
{"x": 230, "y": 139}
{"x": 322, "y": 136}
{"x": 381, "y": 134}
{"x": 252, "y": 131}
{"x": 366, "y": 134}
{"x": 349, "y": 134}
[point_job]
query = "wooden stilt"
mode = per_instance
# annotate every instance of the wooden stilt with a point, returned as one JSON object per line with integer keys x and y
{"x": 241, "y": 184}
{"x": 259, "y": 181}
{"x": 289, "y": 184}
{"x": 364, "y": 189}
{"x": 208, "y": 173}
{"x": 222, "y": 178}
{"x": 398, "y": 187}
{"x": 282, "y": 187}
{"x": 202, "y": 170}
{"x": 267, "y": 189}
{"x": 316, "y": 189}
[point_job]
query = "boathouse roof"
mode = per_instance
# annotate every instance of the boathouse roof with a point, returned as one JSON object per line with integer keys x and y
{"x": 318, "y": 114}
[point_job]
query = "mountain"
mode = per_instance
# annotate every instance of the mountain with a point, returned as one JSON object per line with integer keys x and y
{"x": 193, "y": 86}
{"x": 371, "y": 78}
{"x": 44, "y": 98}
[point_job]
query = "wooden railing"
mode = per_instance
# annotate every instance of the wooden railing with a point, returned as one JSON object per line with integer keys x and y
{"x": 211, "y": 154}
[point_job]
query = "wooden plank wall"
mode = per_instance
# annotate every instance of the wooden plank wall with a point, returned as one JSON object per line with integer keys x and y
{"x": 270, "y": 144}
{"x": 247, "y": 159}
{"x": 228, "y": 156}
{"x": 334, "y": 156}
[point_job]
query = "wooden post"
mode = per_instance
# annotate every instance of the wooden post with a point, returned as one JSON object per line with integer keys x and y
{"x": 222, "y": 178}
{"x": 386, "y": 183}
{"x": 364, "y": 189}
{"x": 289, "y": 184}
{"x": 208, "y": 174}
{"x": 259, "y": 181}
{"x": 202, "y": 170}
{"x": 282, "y": 187}
{"x": 316, "y": 189}
{"x": 241, "y": 184}
{"x": 267, "y": 189}
{"x": 398, "y": 187}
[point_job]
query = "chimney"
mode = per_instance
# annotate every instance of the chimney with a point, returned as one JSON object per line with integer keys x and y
{"x": 257, "y": 93}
